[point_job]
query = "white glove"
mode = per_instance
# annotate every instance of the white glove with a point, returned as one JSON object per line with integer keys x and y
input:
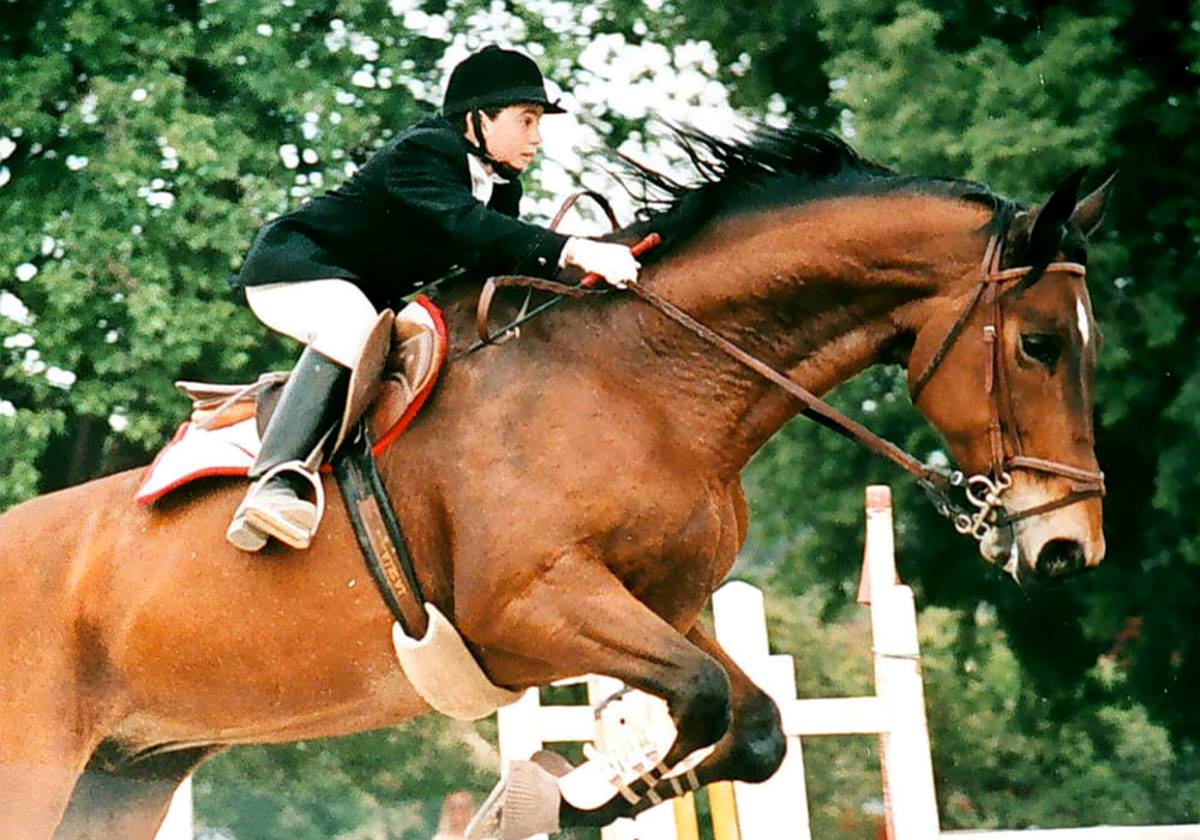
{"x": 614, "y": 262}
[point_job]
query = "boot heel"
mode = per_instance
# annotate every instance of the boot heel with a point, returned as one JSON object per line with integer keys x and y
{"x": 244, "y": 535}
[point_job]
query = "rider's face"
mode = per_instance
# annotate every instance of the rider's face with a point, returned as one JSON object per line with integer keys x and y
{"x": 514, "y": 136}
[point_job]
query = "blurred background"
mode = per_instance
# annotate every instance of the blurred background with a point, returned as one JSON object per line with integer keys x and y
{"x": 143, "y": 143}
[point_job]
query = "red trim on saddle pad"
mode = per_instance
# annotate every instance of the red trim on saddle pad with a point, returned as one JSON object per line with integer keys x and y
{"x": 208, "y": 472}
{"x": 223, "y": 452}
{"x": 195, "y": 452}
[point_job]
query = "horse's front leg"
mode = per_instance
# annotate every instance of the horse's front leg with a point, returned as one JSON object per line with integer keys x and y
{"x": 753, "y": 746}
{"x": 575, "y": 617}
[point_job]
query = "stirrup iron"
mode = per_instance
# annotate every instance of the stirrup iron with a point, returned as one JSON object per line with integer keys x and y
{"x": 294, "y": 535}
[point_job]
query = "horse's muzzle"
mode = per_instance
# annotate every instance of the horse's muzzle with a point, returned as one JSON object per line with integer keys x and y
{"x": 1057, "y": 560}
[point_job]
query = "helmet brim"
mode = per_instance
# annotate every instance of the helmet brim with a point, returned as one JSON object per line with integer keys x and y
{"x": 502, "y": 100}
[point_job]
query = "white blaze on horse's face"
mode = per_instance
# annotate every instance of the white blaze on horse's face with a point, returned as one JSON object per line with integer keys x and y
{"x": 1081, "y": 313}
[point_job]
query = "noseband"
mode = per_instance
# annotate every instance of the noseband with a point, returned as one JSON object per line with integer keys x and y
{"x": 984, "y": 492}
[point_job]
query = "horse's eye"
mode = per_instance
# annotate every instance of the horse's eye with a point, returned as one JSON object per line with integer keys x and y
{"x": 1044, "y": 348}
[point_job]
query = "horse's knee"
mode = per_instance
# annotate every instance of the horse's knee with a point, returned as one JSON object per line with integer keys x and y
{"x": 704, "y": 708}
{"x": 759, "y": 743}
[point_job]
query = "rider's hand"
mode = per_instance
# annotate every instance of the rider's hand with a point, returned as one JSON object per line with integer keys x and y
{"x": 612, "y": 261}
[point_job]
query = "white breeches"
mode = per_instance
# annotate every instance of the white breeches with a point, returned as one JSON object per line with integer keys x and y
{"x": 332, "y": 316}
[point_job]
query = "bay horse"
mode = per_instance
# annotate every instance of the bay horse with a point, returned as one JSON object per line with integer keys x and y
{"x": 570, "y": 499}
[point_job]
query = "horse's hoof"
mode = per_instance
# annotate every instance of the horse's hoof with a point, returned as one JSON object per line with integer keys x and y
{"x": 525, "y": 802}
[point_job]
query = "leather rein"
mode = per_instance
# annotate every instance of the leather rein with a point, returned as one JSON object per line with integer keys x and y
{"x": 983, "y": 491}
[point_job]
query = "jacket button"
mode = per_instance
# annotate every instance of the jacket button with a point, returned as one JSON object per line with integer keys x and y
{"x": 541, "y": 260}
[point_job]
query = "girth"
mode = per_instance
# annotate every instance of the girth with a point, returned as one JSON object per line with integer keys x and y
{"x": 379, "y": 536}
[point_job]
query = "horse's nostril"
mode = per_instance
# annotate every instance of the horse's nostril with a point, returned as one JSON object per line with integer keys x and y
{"x": 1059, "y": 559}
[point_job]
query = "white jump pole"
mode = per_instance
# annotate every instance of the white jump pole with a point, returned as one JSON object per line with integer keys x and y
{"x": 178, "y": 823}
{"x": 909, "y": 799}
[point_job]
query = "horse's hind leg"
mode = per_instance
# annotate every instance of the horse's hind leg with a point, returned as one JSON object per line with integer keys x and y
{"x": 126, "y": 799}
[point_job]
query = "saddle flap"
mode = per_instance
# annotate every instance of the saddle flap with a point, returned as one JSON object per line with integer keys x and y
{"x": 393, "y": 400}
{"x": 418, "y": 350}
{"x": 400, "y": 360}
{"x": 367, "y": 375}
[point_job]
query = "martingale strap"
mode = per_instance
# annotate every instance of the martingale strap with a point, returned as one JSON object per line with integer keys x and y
{"x": 379, "y": 537}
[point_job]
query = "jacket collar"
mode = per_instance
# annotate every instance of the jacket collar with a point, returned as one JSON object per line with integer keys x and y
{"x": 483, "y": 180}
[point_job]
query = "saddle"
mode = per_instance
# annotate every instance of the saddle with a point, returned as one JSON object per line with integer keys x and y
{"x": 389, "y": 383}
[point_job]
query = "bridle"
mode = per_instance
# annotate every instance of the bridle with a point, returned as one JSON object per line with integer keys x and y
{"x": 984, "y": 492}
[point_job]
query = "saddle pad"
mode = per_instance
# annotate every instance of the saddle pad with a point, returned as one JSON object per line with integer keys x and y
{"x": 197, "y": 452}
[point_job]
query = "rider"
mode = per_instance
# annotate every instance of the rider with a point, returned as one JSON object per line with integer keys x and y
{"x": 444, "y": 192}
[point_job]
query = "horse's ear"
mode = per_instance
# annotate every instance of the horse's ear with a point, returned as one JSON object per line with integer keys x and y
{"x": 1049, "y": 226}
{"x": 1089, "y": 213}
{"x": 1047, "y": 231}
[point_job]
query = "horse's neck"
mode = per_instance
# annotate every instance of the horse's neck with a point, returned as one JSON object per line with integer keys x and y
{"x": 819, "y": 292}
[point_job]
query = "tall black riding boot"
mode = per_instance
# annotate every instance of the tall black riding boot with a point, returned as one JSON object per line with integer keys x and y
{"x": 310, "y": 404}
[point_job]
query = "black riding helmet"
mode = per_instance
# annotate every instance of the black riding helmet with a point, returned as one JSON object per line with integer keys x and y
{"x": 495, "y": 78}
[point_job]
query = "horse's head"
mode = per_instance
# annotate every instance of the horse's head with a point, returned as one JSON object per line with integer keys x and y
{"x": 1004, "y": 371}
{"x": 824, "y": 262}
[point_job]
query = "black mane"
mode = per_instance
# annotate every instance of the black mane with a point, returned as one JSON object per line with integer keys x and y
{"x": 772, "y": 168}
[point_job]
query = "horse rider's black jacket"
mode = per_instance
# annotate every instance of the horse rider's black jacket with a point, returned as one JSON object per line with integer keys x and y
{"x": 405, "y": 218}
